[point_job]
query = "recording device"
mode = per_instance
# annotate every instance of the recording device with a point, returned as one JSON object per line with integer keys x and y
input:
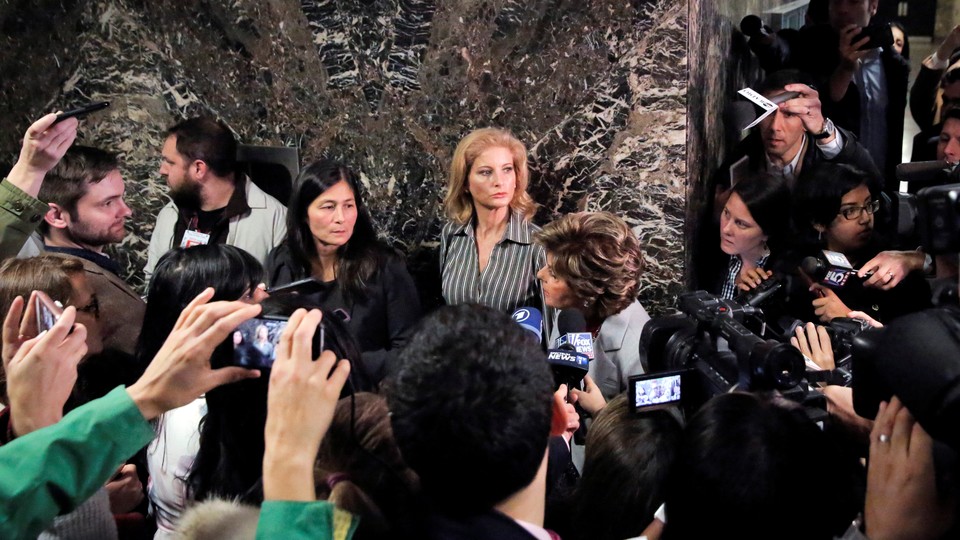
{"x": 570, "y": 358}
{"x": 255, "y": 341}
{"x": 48, "y": 311}
{"x": 917, "y": 358}
{"x": 657, "y": 391}
{"x": 830, "y": 268}
{"x": 303, "y": 286}
{"x": 710, "y": 339}
{"x": 530, "y": 320}
{"x": 931, "y": 217}
{"x": 938, "y": 216}
{"x": 880, "y": 34}
{"x": 82, "y": 111}
{"x": 573, "y": 333}
{"x": 568, "y": 367}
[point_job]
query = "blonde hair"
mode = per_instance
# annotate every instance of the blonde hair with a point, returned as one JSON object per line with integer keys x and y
{"x": 458, "y": 204}
{"x": 598, "y": 256}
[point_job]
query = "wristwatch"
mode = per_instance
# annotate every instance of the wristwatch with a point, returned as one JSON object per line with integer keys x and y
{"x": 828, "y": 130}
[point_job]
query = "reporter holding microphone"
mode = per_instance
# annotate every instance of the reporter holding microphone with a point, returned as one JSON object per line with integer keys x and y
{"x": 593, "y": 265}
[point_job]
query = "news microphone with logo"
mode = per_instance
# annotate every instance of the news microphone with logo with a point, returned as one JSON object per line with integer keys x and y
{"x": 832, "y": 269}
{"x": 573, "y": 333}
{"x": 531, "y": 320}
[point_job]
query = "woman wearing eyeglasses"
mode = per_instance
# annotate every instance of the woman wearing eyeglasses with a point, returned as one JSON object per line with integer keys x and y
{"x": 837, "y": 205}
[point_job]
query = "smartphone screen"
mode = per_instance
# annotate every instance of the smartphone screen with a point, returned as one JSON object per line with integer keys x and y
{"x": 657, "y": 391}
{"x": 47, "y": 311}
{"x": 255, "y": 342}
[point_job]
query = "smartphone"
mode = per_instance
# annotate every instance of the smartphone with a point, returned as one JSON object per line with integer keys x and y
{"x": 255, "y": 342}
{"x": 82, "y": 111}
{"x": 48, "y": 311}
{"x": 881, "y": 35}
{"x": 656, "y": 390}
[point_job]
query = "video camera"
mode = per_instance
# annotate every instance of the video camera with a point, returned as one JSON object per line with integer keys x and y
{"x": 713, "y": 352}
{"x": 931, "y": 217}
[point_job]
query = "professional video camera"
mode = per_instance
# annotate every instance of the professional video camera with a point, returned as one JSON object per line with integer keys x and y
{"x": 931, "y": 217}
{"x": 710, "y": 351}
{"x": 917, "y": 358}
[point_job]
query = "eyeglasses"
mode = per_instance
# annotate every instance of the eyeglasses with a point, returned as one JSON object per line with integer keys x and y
{"x": 92, "y": 308}
{"x": 853, "y": 212}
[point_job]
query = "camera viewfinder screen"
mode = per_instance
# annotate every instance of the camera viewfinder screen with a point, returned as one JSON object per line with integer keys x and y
{"x": 255, "y": 342}
{"x": 660, "y": 391}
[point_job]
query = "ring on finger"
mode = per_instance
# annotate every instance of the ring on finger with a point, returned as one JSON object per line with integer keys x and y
{"x": 884, "y": 438}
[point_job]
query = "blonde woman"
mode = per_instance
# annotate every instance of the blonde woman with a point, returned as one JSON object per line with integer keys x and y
{"x": 487, "y": 252}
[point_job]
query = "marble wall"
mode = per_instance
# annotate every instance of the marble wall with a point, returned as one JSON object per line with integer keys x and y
{"x": 720, "y": 64}
{"x": 598, "y": 91}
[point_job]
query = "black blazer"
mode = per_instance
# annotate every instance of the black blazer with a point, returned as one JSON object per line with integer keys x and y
{"x": 381, "y": 321}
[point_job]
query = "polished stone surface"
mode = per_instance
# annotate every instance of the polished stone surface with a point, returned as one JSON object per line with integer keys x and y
{"x": 597, "y": 90}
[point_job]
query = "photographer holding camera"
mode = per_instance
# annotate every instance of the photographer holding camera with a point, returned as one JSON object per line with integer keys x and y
{"x": 863, "y": 79}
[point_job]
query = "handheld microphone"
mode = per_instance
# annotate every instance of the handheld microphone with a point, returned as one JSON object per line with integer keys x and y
{"x": 568, "y": 367}
{"x": 573, "y": 333}
{"x": 833, "y": 269}
{"x": 530, "y": 320}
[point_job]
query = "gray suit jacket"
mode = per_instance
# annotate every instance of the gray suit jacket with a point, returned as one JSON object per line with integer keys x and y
{"x": 616, "y": 350}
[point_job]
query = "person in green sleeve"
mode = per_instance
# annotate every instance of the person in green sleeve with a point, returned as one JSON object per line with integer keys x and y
{"x": 301, "y": 400}
{"x": 50, "y": 471}
{"x": 20, "y": 210}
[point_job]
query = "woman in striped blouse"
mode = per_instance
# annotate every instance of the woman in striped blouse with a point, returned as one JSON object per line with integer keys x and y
{"x": 487, "y": 252}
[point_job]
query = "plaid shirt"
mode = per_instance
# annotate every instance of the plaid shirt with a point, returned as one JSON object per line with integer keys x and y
{"x": 730, "y": 289}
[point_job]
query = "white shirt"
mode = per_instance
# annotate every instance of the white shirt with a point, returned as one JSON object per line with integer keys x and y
{"x": 170, "y": 457}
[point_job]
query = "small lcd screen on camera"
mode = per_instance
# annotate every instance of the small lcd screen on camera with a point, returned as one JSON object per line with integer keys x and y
{"x": 255, "y": 342}
{"x": 657, "y": 391}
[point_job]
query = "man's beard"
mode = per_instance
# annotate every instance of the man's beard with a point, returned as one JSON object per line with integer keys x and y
{"x": 82, "y": 235}
{"x": 187, "y": 195}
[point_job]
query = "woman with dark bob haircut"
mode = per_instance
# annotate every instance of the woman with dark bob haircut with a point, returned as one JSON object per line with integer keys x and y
{"x": 180, "y": 275}
{"x": 487, "y": 252}
{"x": 593, "y": 265}
{"x": 754, "y": 223}
{"x": 331, "y": 239}
{"x": 835, "y": 207}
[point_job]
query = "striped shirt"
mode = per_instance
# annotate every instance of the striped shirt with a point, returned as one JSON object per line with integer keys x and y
{"x": 510, "y": 279}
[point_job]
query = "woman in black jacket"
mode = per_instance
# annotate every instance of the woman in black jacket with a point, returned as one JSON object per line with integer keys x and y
{"x": 331, "y": 239}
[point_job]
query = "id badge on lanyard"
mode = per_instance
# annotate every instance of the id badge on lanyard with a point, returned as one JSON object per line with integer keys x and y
{"x": 193, "y": 237}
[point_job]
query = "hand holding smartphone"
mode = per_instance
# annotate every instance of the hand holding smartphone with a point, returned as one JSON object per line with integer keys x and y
{"x": 82, "y": 111}
{"x": 48, "y": 311}
{"x": 255, "y": 342}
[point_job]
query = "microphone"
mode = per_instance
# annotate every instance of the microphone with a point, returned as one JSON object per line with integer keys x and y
{"x": 573, "y": 333}
{"x": 833, "y": 269}
{"x": 531, "y": 320}
{"x": 757, "y": 296}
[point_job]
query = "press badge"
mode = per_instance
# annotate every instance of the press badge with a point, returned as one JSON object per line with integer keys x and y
{"x": 194, "y": 238}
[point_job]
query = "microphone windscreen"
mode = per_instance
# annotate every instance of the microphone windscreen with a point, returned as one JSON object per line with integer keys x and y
{"x": 571, "y": 321}
{"x": 814, "y": 267}
{"x": 531, "y": 320}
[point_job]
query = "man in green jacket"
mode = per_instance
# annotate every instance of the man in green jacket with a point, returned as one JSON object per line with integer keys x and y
{"x": 20, "y": 210}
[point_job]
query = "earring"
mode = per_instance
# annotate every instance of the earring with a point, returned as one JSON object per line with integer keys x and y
{"x": 820, "y": 235}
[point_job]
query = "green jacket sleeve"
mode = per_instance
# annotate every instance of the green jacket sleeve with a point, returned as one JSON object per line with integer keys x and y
{"x": 50, "y": 471}
{"x": 20, "y": 214}
{"x": 295, "y": 520}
